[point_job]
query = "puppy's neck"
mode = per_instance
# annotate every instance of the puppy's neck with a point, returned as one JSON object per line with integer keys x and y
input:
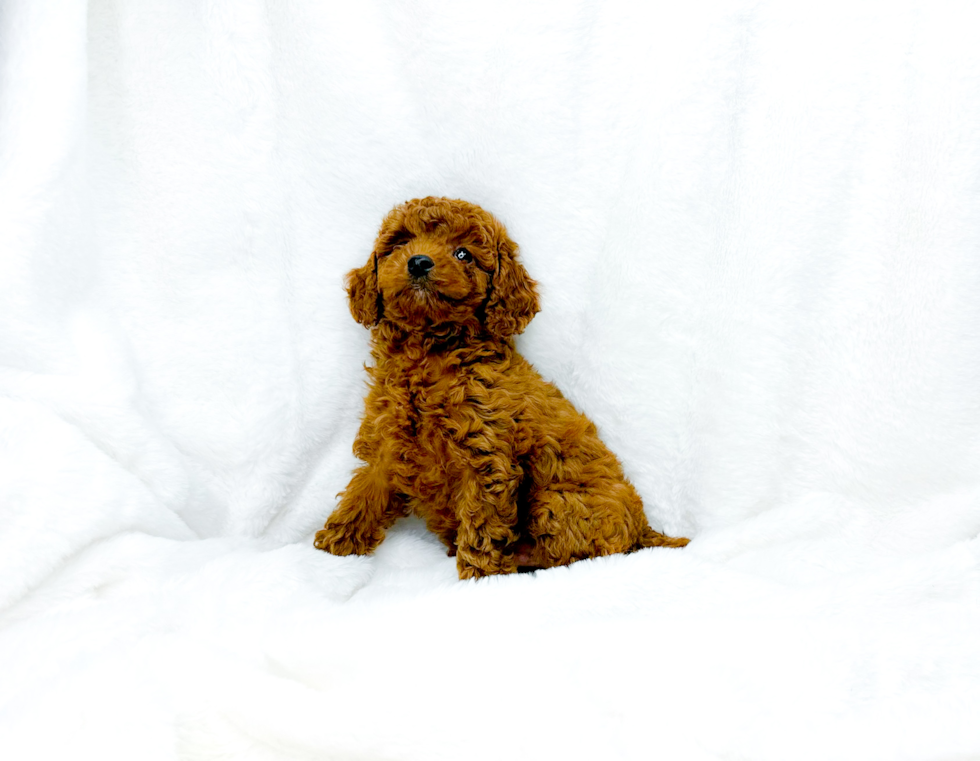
{"x": 468, "y": 343}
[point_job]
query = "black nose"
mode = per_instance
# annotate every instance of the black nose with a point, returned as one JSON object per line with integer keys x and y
{"x": 419, "y": 266}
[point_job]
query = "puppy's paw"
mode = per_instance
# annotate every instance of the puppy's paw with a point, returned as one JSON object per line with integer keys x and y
{"x": 345, "y": 539}
{"x": 469, "y": 572}
{"x": 473, "y": 565}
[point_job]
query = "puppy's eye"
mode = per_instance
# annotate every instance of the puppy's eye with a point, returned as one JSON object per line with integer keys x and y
{"x": 463, "y": 255}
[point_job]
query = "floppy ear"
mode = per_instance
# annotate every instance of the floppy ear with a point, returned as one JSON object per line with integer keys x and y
{"x": 363, "y": 295}
{"x": 513, "y": 294}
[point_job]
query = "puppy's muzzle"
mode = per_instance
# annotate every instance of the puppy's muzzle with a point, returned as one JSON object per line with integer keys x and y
{"x": 419, "y": 266}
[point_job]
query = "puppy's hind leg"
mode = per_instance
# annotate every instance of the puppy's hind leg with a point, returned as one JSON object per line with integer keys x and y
{"x": 566, "y": 525}
{"x": 559, "y": 530}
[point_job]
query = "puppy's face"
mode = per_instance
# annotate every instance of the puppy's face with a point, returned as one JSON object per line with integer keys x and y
{"x": 440, "y": 262}
{"x": 434, "y": 272}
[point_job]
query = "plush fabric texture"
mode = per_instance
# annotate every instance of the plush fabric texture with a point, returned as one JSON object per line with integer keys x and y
{"x": 459, "y": 429}
{"x": 754, "y": 227}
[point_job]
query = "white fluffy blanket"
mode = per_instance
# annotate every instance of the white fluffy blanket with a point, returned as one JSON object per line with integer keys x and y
{"x": 756, "y": 226}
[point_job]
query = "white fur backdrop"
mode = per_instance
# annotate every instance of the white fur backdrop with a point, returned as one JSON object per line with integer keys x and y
{"x": 756, "y": 229}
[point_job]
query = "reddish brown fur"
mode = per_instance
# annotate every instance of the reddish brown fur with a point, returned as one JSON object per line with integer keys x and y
{"x": 458, "y": 427}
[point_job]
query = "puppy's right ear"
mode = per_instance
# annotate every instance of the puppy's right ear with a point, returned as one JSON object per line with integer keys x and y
{"x": 366, "y": 303}
{"x": 364, "y": 297}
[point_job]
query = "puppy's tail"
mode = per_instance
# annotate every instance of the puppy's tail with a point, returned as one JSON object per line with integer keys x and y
{"x": 651, "y": 538}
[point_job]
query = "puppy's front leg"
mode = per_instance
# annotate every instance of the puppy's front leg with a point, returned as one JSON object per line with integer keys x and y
{"x": 486, "y": 506}
{"x": 367, "y": 508}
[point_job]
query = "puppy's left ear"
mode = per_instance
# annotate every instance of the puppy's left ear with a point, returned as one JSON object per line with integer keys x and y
{"x": 513, "y": 298}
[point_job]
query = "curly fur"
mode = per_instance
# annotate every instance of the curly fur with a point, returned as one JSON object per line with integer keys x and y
{"x": 459, "y": 428}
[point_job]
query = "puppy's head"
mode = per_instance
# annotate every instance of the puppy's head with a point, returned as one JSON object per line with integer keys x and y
{"x": 439, "y": 262}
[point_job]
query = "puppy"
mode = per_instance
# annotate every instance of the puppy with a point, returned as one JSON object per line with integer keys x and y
{"x": 459, "y": 428}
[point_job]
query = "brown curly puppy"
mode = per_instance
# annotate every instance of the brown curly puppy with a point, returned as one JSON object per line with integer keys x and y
{"x": 459, "y": 428}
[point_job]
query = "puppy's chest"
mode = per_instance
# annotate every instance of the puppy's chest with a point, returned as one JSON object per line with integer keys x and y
{"x": 417, "y": 407}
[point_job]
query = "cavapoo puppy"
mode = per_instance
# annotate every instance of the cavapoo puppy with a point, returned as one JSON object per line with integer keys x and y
{"x": 458, "y": 427}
